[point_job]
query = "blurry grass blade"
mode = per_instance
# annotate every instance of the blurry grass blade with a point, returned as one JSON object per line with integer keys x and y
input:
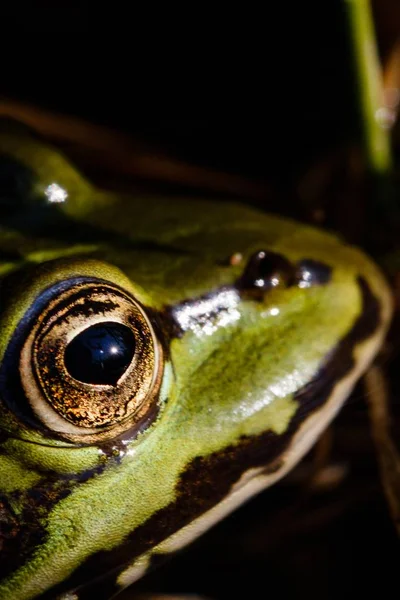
{"x": 391, "y": 84}
{"x": 370, "y": 85}
{"x": 388, "y": 456}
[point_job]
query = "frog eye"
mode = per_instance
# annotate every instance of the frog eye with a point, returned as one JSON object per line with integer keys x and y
{"x": 90, "y": 363}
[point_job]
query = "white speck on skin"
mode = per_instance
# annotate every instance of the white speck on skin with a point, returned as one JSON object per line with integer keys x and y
{"x": 55, "y": 193}
{"x": 271, "y": 312}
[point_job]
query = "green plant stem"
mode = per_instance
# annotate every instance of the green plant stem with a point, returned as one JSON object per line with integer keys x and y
{"x": 370, "y": 85}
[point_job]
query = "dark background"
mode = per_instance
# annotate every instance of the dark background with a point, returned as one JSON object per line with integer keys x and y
{"x": 265, "y": 104}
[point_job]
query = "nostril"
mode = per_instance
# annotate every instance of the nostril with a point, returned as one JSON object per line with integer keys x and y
{"x": 312, "y": 272}
{"x": 266, "y": 270}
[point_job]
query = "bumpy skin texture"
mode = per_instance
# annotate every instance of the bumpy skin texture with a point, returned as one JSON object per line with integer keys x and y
{"x": 251, "y": 376}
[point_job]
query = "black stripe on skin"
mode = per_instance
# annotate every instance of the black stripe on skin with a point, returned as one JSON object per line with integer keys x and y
{"x": 21, "y": 534}
{"x": 219, "y": 471}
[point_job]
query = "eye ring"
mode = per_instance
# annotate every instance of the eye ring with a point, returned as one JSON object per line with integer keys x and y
{"x": 81, "y": 411}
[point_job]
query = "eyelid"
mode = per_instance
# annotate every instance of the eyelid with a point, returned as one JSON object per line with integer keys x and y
{"x": 21, "y": 291}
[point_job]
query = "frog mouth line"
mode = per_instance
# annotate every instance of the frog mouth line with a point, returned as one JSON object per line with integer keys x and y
{"x": 224, "y": 468}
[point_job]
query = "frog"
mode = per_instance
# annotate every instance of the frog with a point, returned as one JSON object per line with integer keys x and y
{"x": 162, "y": 360}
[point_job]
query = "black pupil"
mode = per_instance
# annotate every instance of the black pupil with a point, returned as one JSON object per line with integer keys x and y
{"x": 100, "y": 354}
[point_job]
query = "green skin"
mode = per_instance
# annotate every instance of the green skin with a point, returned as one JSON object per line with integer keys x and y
{"x": 229, "y": 378}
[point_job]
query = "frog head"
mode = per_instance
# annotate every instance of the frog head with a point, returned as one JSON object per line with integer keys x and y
{"x": 161, "y": 361}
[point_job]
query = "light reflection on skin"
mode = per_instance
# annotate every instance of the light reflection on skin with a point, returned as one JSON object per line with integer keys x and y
{"x": 273, "y": 282}
{"x": 281, "y": 388}
{"x": 306, "y": 279}
{"x": 204, "y": 317}
{"x": 55, "y": 193}
{"x": 286, "y": 385}
{"x": 271, "y": 312}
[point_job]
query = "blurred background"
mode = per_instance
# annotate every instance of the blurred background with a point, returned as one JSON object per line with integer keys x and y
{"x": 282, "y": 97}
